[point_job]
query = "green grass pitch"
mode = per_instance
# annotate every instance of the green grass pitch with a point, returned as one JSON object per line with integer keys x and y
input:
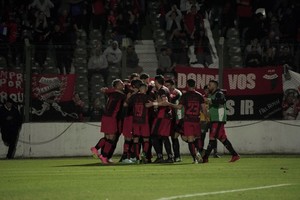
{"x": 85, "y": 178}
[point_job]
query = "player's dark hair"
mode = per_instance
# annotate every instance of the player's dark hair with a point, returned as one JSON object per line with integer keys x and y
{"x": 191, "y": 83}
{"x": 143, "y": 85}
{"x": 205, "y": 87}
{"x": 215, "y": 82}
{"x": 144, "y": 76}
{"x": 115, "y": 82}
{"x": 170, "y": 81}
{"x": 160, "y": 79}
{"x": 136, "y": 83}
{"x": 134, "y": 75}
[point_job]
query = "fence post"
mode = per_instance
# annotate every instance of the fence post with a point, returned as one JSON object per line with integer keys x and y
{"x": 221, "y": 61}
{"x": 27, "y": 80}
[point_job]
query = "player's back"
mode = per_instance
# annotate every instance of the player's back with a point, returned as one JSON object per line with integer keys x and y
{"x": 192, "y": 101}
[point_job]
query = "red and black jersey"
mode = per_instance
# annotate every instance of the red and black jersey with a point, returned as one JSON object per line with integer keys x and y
{"x": 191, "y": 101}
{"x": 114, "y": 104}
{"x": 140, "y": 111}
{"x": 164, "y": 111}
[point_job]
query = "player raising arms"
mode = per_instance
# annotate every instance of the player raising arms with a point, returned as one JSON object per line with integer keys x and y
{"x": 110, "y": 121}
{"x": 193, "y": 102}
{"x": 217, "y": 113}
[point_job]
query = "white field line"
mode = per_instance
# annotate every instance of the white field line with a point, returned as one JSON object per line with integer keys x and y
{"x": 222, "y": 192}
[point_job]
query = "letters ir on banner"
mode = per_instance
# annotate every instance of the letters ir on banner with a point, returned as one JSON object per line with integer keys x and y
{"x": 252, "y": 93}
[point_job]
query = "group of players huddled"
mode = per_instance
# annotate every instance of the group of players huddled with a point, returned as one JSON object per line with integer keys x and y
{"x": 149, "y": 113}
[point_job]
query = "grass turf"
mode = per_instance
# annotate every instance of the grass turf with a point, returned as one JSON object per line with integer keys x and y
{"x": 86, "y": 178}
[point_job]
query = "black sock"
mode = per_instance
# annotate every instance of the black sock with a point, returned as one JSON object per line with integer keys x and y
{"x": 168, "y": 148}
{"x": 198, "y": 144}
{"x": 176, "y": 147}
{"x": 229, "y": 147}
{"x": 211, "y": 145}
{"x": 192, "y": 149}
{"x": 136, "y": 150}
{"x": 157, "y": 144}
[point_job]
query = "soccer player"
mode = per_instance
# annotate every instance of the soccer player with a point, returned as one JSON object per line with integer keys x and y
{"x": 217, "y": 113}
{"x": 193, "y": 102}
{"x": 110, "y": 121}
{"x": 205, "y": 126}
{"x": 175, "y": 95}
{"x": 161, "y": 127}
{"x": 141, "y": 128}
{"x": 145, "y": 78}
{"x": 127, "y": 121}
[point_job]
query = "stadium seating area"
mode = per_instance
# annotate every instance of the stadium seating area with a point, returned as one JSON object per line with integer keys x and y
{"x": 257, "y": 33}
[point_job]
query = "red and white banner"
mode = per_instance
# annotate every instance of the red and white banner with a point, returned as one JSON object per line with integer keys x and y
{"x": 252, "y": 93}
{"x": 58, "y": 88}
{"x": 11, "y": 85}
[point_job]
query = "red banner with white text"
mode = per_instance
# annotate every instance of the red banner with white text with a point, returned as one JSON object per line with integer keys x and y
{"x": 252, "y": 93}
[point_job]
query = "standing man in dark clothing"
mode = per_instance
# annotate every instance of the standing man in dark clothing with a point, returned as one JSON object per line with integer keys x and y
{"x": 10, "y": 123}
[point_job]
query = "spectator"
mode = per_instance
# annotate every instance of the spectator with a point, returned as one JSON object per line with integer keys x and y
{"x": 268, "y": 56}
{"x": 42, "y": 6}
{"x": 202, "y": 49}
{"x": 98, "y": 64}
{"x": 132, "y": 61}
{"x": 244, "y": 13}
{"x": 284, "y": 56}
{"x": 253, "y": 58}
{"x": 165, "y": 64}
{"x": 190, "y": 20}
{"x": 99, "y": 15}
{"x": 62, "y": 50}
{"x": 4, "y": 40}
{"x": 288, "y": 105}
{"x": 254, "y": 42}
{"x": 41, "y": 39}
{"x": 113, "y": 54}
{"x": 186, "y": 6}
{"x": 173, "y": 19}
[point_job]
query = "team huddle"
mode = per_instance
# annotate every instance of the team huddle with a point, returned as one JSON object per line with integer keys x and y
{"x": 150, "y": 114}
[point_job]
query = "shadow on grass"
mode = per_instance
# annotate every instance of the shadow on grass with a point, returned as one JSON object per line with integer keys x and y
{"x": 123, "y": 164}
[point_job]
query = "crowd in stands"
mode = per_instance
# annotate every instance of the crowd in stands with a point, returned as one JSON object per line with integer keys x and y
{"x": 56, "y": 22}
{"x": 269, "y": 31}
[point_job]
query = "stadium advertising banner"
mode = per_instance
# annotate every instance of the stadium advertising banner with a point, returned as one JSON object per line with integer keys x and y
{"x": 52, "y": 97}
{"x": 252, "y": 93}
{"x": 11, "y": 86}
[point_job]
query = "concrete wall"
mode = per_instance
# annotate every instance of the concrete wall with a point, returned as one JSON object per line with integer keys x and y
{"x": 75, "y": 139}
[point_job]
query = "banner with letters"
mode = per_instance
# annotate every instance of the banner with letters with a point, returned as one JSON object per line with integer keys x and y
{"x": 252, "y": 93}
{"x": 11, "y": 86}
{"x": 52, "y": 97}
